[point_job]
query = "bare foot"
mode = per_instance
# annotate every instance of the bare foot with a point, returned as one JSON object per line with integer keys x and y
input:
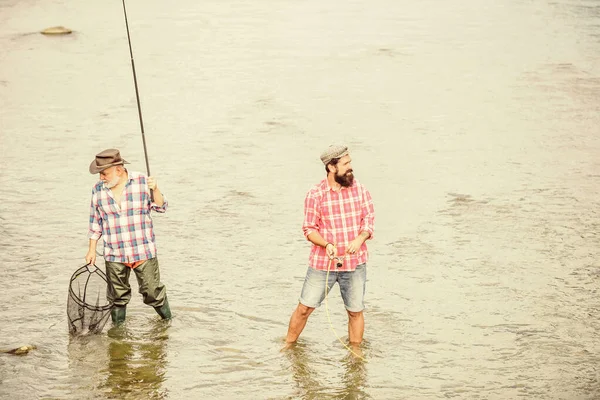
{"x": 287, "y": 346}
{"x": 356, "y": 351}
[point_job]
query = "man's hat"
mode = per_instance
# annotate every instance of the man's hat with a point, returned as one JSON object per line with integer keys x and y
{"x": 106, "y": 159}
{"x": 333, "y": 152}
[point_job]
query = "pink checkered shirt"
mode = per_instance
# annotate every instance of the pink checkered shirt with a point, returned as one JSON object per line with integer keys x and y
{"x": 339, "y": 217}
{"x": 127, "y": 231}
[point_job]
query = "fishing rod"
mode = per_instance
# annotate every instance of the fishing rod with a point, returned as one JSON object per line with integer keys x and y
{"x": 137, "y": 94}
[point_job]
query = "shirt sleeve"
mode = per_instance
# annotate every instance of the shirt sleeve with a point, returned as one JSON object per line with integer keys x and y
{"x": 368, "y": 214}
{"x": 160, "y": 209}
{"x": 153, "y": 206}
{"x": 312, "y": 214}
{"x": 95, "y": 230}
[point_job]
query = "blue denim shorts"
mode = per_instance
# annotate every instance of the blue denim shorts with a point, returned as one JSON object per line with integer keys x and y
{"x": 352, "y": 287}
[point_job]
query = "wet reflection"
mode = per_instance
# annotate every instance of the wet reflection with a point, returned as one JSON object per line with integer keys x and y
{"x": 137, "y": 362}
{"x": 304, "y": 376}
{"x": 304, "y": 373}
{"x": 355, "y": 376}
{"x": 86, "y": 357}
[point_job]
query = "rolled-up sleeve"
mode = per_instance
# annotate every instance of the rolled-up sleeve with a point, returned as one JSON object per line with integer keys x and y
{"x": 368, "y": 214}
{"x": 160, "y": 209}
{"x": 312, "y": 214}
{"x": 95, "y": 230}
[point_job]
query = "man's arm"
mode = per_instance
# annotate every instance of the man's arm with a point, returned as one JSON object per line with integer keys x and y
{"x": 364, "y": 235}
{"x": 95, "y": 230}
{"x": 159, "y": 203}
{"x": 358, "y": 241}
{"x": 159, "y": 199}
{"x": 315, "y": 238}
{"x": 368, "y": 215}
{"x": 366, "y": 226}
{"x": 90, "y": 257}
{"x": 311, "y": 224}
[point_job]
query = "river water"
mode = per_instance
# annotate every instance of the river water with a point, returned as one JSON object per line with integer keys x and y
{"x": 473, "y": 123}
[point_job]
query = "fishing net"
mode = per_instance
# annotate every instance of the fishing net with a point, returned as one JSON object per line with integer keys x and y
{"x": 88, "y": 308}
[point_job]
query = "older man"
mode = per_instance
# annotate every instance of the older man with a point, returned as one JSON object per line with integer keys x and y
{"x": 120, "y": 213}
{"x": 338, "y": 219}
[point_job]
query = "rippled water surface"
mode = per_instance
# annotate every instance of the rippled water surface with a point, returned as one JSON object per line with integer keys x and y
{"x": 473, "y": 123}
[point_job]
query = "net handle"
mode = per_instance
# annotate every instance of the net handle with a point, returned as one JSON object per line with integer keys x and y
{"x": 92, "y": 267}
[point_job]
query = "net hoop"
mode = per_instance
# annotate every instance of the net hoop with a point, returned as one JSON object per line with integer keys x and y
{"x": 75, "y": 296}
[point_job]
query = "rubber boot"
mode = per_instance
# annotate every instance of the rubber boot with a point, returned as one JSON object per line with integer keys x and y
{"x": 117, "y": 313}
{"x": 164, "y": 311}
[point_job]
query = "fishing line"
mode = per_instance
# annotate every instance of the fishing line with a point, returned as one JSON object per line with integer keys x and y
{"x": 327, "y": 310}
{"x": 137, "y": 94}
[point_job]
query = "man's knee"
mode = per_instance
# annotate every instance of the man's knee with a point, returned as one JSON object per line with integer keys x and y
{"x": 154, "y": 296}
{"x": 354, "y": 314}
{"x": 304, "y": 311}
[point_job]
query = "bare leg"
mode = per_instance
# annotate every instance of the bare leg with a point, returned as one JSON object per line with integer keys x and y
{"x": 298, "y": 322}
{"x": 356, "y": 326}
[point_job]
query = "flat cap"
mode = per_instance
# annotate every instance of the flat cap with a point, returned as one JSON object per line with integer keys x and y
{"x": 332, "y": 152}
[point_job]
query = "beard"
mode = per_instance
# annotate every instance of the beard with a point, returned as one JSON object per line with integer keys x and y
{"x": 345, "y": 180}
{"x": 112, "y": 183}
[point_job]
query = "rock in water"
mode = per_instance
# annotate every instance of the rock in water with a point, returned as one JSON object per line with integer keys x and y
{"x": 56, "y": 30}
{"x": 19, "y": 350}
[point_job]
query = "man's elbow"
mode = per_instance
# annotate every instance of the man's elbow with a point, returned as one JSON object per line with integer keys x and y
{"x": 307, "y": 231}
{"x": 94, "y": 235}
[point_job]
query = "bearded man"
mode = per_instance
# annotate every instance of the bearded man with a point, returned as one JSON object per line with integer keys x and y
{"x": 338, "y": 218}
{"x": 120, "y": 214}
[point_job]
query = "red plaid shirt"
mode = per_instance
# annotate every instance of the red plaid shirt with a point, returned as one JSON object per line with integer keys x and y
{"x": 127, "y": 230}
{"x": 339, "y": 217}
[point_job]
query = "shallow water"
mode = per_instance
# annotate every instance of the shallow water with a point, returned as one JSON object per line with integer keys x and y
{"x": 474, "y": 124}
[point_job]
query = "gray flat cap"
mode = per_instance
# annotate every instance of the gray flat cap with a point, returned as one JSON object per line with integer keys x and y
{"x": 333, "y": 152}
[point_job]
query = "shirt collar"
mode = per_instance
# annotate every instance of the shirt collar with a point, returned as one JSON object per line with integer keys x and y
{"x": 330, "y": 188}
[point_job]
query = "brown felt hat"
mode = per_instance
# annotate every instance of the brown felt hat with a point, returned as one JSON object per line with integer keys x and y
{"x": 106, "y": 159}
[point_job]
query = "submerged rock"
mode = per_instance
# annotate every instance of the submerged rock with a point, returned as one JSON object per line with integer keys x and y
{"x": 56, "y": 30}
{"x": 19, "y": 350}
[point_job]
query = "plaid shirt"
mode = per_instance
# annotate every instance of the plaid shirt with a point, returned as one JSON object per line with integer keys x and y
{"x": 127, "y": 230}
{"x": 339, "y": 217}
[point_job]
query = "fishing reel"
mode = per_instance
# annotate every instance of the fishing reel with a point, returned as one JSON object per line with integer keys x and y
{"x": 338, "y": 261}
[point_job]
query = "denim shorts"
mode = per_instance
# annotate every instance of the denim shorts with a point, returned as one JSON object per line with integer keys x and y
{"x": 352, "y": 287}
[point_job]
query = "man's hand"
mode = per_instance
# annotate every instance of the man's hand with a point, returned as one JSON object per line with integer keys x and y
{"x": 90, "y": 257}
{"x": 152, "y": 185}
{"x": 354, "y": 245}
{"x": 331, "y": 250}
